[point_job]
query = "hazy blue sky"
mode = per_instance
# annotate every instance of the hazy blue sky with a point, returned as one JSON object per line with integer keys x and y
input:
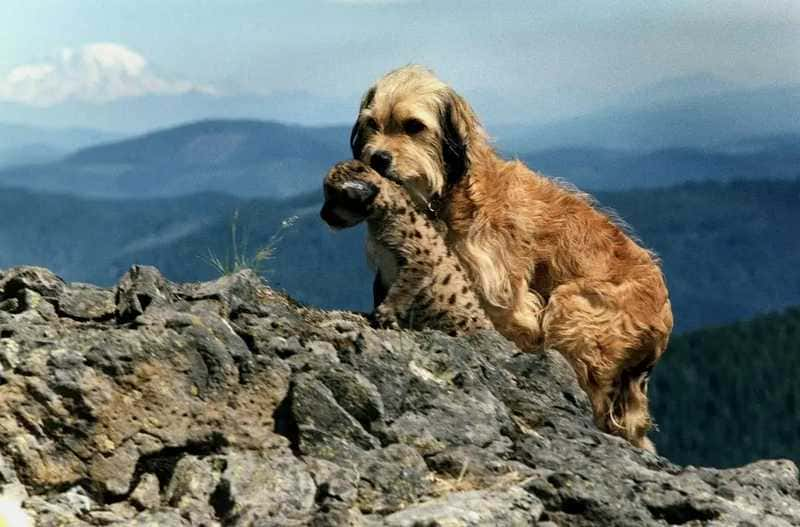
{"x": 561, "y": 57}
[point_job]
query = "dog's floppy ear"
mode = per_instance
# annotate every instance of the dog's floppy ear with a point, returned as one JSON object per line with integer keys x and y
{"x": 357, "y": 138}
{"x": 456, "y": 121}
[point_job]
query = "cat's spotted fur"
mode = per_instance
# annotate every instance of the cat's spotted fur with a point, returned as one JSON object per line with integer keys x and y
{"x": 427, "y": 286}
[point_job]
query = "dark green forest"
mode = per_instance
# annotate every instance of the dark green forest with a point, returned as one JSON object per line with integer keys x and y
{"x": 729, "y": 395}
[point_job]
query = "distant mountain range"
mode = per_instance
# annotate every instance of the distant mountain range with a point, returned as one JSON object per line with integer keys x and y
{"x": 673, "y": 89}
{"x": 730, "y": 251}
{"x": 267, "y": 159}
{"x": 244, "y": 158}
{"x": 707, "y": 121}
{"x": 30, "y": 154}
{"x": 769, "y": 157}
{"x": 21, "y": 144}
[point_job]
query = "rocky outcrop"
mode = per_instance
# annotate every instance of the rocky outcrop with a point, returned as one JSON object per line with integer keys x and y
{"x": 226, "y": 403}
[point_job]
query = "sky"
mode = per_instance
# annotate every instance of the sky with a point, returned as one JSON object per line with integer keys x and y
{"x": 522, "y": 60}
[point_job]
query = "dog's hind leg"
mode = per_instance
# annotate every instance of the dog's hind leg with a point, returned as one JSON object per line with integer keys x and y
{"x": 611, "y": 343}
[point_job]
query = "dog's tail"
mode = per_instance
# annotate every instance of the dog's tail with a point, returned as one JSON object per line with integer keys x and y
{"x": 628, "y": 411}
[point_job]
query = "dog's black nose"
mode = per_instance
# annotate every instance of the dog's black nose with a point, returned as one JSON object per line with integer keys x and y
{"x": 381, "y": 161}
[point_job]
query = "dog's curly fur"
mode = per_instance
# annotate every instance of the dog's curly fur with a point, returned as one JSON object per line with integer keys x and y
{"x": 552, "y": 269}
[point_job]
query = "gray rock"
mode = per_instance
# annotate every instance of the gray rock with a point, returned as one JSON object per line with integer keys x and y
{"x": 86, "y": 302}
{"x": 192, "y": 486}
{"x": 141, "y": 287}
{"x": 156, "y": 519}
{"x": 226, "y": 403}
{"x": 62, "y": 509}
{"x": 36, "y": 279}
{"x": 513, "y": 507}
{"x": 354, "y": 393}
{"x": 473, "y": 467}
{"x": 11, "y": 489}
{"x": 392, "y": 478}
{"x": 254, "y": 487}
{"x": 147, "y": 494}
{"x": 322, "y": 421}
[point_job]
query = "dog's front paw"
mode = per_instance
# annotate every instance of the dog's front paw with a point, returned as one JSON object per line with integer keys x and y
{"x": 385, "y": 317}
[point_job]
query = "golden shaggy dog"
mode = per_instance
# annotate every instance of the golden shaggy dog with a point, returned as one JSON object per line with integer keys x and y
{"x": 551, "y": 269}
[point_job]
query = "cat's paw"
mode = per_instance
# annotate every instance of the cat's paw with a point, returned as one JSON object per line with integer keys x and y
{"x": 386, "y": 318}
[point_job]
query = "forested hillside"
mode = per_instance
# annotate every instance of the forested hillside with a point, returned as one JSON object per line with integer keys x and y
{"x": 729, "y": 395}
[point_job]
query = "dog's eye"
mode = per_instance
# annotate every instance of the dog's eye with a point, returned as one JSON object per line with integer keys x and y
{"x": 371, "y": 123}
{"x": 413, "y": 126}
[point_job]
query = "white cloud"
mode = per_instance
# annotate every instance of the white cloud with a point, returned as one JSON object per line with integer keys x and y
{"x": 97, "y": 73}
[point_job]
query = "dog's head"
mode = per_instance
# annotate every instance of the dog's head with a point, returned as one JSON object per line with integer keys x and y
{"x": 350, "y": 191}
{"x": 414, "y": 129}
